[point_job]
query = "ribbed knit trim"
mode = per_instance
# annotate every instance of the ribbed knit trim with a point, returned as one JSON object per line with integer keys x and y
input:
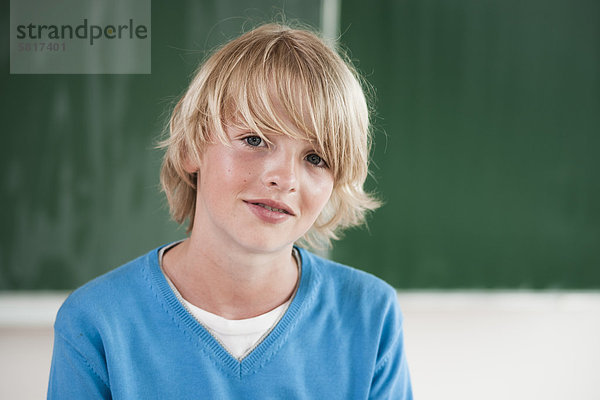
{"x": 307, "y": 288}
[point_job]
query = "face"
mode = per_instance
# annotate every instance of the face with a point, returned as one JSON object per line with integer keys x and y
{"x": 260, "y": 196}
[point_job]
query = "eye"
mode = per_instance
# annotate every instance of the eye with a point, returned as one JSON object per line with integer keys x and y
{"x": 316, "y": 160}
{"x": 253, "y": 141}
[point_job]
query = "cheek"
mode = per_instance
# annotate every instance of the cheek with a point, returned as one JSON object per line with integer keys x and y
{"x": 226, "y": 169}
{"x": 319, "y": 192}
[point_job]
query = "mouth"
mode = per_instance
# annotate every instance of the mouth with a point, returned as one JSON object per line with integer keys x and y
{"x": 272, "y": 206}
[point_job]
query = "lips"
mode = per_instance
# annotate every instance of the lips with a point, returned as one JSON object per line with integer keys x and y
{"x": 272, "y": 205}
{"x": 271, "y": 208}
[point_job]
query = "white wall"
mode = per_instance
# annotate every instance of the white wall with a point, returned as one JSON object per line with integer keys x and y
{"x": 26, "y": 343}
{"x": 510, "y": 345}
{"x": 460, "y": 345}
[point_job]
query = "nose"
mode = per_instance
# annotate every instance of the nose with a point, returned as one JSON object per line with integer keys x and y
{"x": 280, "y": 172}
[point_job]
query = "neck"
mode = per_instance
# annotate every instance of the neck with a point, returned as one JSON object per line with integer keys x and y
{"x": 232, "y": 284}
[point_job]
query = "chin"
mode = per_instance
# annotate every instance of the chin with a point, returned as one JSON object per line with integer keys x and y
{"x": 268, "y": 248}
{"x": 261, "y": 244}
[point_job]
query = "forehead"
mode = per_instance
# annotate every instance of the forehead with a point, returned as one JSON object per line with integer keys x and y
{"x": 275, "y": 139}
{"x": 268, "y": 112}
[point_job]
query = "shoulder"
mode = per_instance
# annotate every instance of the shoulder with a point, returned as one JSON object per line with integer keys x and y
{"x": 353, "y": 287}
{"x": 357, "y": 302}
{"x": 99, "y": 298}
{"x": 346, "y": 277}
{"x": 111, "y": 282}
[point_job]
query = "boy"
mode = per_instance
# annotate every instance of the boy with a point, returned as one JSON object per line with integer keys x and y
{"x": 268, "y": 146}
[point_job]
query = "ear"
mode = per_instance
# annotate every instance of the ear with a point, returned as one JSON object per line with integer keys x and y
{"x": 190, "y": 166}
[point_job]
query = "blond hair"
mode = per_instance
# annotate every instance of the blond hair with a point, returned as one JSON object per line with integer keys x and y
{"x": 251, "y": 80}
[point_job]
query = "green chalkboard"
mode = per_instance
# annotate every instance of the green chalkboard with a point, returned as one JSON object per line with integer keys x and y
{"x": 487, "y": 142}
{"x": 487, "y": 129}
{"x": 79, "y": 172}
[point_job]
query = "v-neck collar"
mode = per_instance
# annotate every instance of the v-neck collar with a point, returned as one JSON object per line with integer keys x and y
{"x": 264, "y": 350}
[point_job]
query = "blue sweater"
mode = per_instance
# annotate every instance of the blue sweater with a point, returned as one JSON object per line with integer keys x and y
{"x": 125, "y": 335}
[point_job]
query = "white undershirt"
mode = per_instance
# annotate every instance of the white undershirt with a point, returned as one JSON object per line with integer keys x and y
{"x": 239, "y": 337}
